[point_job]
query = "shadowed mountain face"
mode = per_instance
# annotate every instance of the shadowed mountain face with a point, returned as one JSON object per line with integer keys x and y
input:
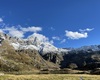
{"x": 87, "y": 60}
{"x": 83, "y": 59}
{"x": 35, "y": 54}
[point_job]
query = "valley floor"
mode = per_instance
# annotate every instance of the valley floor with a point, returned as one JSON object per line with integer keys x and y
{"x": 50, "y": 77}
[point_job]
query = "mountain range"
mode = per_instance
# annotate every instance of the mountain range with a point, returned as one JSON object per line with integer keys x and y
{"x": 37, "y": 53}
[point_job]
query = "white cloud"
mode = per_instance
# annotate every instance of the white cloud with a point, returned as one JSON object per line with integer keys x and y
{"x": 18, "y": 31}
{"x": 31, "y": 29}
{"x": 76, "y": 35}
{"x": 1, "y": 20}
{"x": 9, "y": 28}
{"x": 14, "y": 32}
{"x": 52, "y": 28}
{"x": 55, "y": 38}
{"x": 1, "y": 30}
{"x": 64, "y": 40}
{"x": 39, "y": 37}
{"x": 85, "y": 30}
{"x": 52, "y": 42}
{"x": 59, "y": 39}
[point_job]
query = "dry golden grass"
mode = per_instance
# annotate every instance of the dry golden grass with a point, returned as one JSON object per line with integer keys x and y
{"x": 50, "y": 77}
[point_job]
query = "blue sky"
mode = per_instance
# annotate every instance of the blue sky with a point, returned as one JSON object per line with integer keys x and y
{"x": 67, "y": 23}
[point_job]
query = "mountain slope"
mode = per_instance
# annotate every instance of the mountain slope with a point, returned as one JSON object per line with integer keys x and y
{"x": 12, "y": 59}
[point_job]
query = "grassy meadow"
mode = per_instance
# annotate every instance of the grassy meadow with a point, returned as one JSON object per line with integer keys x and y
{"x": 50, "y": 77}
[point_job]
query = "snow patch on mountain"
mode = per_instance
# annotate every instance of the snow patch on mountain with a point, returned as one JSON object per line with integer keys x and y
{"x": 36, "y": 41}
{"x": 91, "y": 47}
{"x": 15, "y": 45}
{"x": 61, "y": 50}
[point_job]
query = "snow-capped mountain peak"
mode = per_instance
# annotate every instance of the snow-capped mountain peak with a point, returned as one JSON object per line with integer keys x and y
{"x": 35, "y": 41}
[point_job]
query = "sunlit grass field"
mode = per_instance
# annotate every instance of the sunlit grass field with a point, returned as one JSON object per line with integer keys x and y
{"x": 50, "y": 77}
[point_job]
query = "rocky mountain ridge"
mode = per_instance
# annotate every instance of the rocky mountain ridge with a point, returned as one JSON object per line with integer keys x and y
{"x": 35, "y": 41}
